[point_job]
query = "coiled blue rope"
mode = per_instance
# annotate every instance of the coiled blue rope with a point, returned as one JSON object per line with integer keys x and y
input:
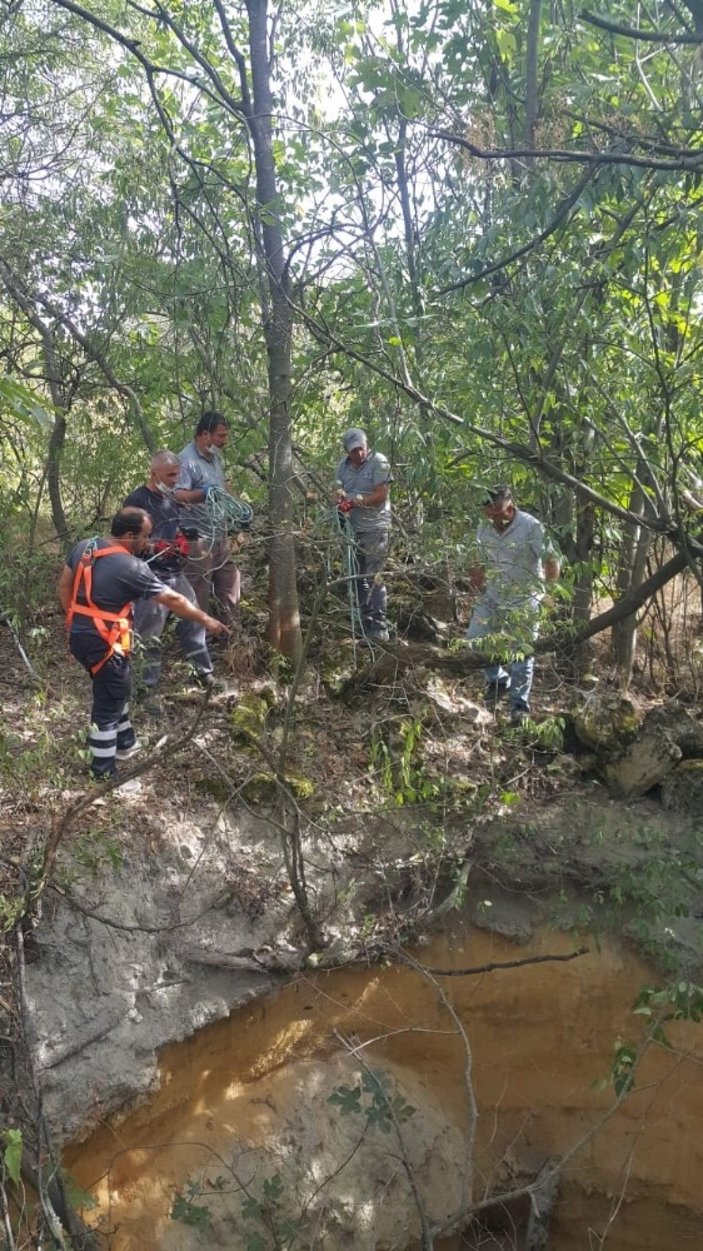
{"x": 227, "y": 513}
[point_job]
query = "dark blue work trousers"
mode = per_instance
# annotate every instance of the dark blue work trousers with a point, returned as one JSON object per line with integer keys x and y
{"x": 110, "y": 727}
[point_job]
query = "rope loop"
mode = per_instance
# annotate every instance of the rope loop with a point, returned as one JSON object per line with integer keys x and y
{"x": 227, "y": 513}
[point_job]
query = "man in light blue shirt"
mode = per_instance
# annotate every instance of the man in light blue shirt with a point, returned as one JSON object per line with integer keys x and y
{"x": 516, "y": 558}
{"x": 363, "y": 498}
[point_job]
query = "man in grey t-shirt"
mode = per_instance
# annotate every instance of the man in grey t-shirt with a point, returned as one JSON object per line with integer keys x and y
{"x": 363, "y": 498}
{"x": 210, "y": 568}
{"x": 516, "y": 558}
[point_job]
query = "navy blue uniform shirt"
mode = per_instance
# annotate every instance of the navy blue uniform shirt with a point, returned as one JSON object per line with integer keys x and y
{"x": 117, "y": 580}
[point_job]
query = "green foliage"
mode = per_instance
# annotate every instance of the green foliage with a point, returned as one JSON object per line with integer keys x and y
{"x": 398, "y": 766}
{"x": 623, "y": 1070}
{"x": 584, "y": 348}
{"x": 547, "y": 734}
{"x": 347, "y": 1099}
{"x": 10, "y": 912}
{"x": 267, "y": 1211}
{"x": 374, "y": 1100}
{"x": 12, "y": 1153}
{"x": 680, "y": 1001}
{"x": 22, "y": 403}
{"x": 185, "y": 1208}
{"x": 647, "y": 885}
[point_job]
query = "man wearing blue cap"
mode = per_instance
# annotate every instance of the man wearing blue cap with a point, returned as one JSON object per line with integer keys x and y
{"x": 517, "y": 558}
{"x": 363, "y": 496}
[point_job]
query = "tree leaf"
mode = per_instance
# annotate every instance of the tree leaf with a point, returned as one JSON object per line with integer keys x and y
{"x": 12, "y": 1155}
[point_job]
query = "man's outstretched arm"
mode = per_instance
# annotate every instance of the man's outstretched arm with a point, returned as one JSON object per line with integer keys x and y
{"x": 182, "y": 607}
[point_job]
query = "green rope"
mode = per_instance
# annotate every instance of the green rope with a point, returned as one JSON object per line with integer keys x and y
{"x": 351, "y": 572}
{"x": 226, "y": 513}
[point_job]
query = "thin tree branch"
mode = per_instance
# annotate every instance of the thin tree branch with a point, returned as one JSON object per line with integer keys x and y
{"x": 685, "y": 159}
{"x": 634, "y": 32}
{"x": 505, "y": 964}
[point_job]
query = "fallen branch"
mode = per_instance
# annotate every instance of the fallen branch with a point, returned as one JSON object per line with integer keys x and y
{"x": 5, "y": 620}
{"x": 398, "y": 657}
{"x": 506, "y": 964}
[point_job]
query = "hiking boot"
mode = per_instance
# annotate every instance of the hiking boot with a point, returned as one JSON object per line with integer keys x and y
{"x": 126, "y": 753}
{"x": 518, "y": 716}
{"x": 209, "y": 682}
{"x": 377, "y": 635}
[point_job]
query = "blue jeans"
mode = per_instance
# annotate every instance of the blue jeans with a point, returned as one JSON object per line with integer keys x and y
{"x": 517, "y": 620}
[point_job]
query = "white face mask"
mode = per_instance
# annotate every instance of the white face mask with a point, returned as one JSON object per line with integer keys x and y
{"x": 163, "y": 489}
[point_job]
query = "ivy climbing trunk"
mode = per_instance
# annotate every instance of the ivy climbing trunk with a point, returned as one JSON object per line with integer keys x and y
{"x": 284, "y": 616}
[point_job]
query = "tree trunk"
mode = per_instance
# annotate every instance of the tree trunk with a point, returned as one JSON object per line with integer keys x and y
{"x": 57, "y": 391}
{"x": 585, "y": 538}
{"x": 53, "y": 476}
{"x": 632, "y": 565}
{"x": 284, "y": 617}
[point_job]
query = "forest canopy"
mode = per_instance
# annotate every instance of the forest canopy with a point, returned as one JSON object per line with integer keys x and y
{"x": 472, "y": 229}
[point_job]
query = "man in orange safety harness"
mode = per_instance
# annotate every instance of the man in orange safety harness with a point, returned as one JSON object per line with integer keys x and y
{"x": 98, "y": 586}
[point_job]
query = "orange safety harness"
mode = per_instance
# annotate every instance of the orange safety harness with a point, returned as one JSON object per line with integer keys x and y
{"x": 115, "y": 629}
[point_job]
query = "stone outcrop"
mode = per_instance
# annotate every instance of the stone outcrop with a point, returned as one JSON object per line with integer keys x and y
{"x": 682, "y": 789}
{"x": 606, "y": 721}
{"x": 644, "y": 764}
{"x": 634, "y": 755}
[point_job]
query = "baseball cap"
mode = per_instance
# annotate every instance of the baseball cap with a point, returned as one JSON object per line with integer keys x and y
{"x": 353, "y": 438}
{"x": 498, "y": 494}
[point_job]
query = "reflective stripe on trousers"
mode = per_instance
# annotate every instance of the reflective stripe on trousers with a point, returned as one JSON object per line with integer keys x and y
{"x": 110, "y": 726}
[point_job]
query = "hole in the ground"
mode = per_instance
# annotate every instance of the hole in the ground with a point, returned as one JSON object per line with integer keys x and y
{"x": 270, "y": 1124}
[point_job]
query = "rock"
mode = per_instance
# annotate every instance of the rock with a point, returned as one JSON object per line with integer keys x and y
{"x": 263, "y": 786}
{"x": 324, "y": 1160}
{"x": 606, "y": 721}
{"x": 683, "y": 729}
{"x": 248, "y": 718}
{"x": 632, "y": 757}
{"x": 682, "y": 789}
{"x": 645, "y": 763}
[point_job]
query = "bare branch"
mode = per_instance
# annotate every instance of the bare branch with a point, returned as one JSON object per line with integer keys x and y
{"x": 634, "y": 32}
{"x": 505, "y": 964}
{"x": 684, "y": 159}
{"x": 561, "y": 213}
